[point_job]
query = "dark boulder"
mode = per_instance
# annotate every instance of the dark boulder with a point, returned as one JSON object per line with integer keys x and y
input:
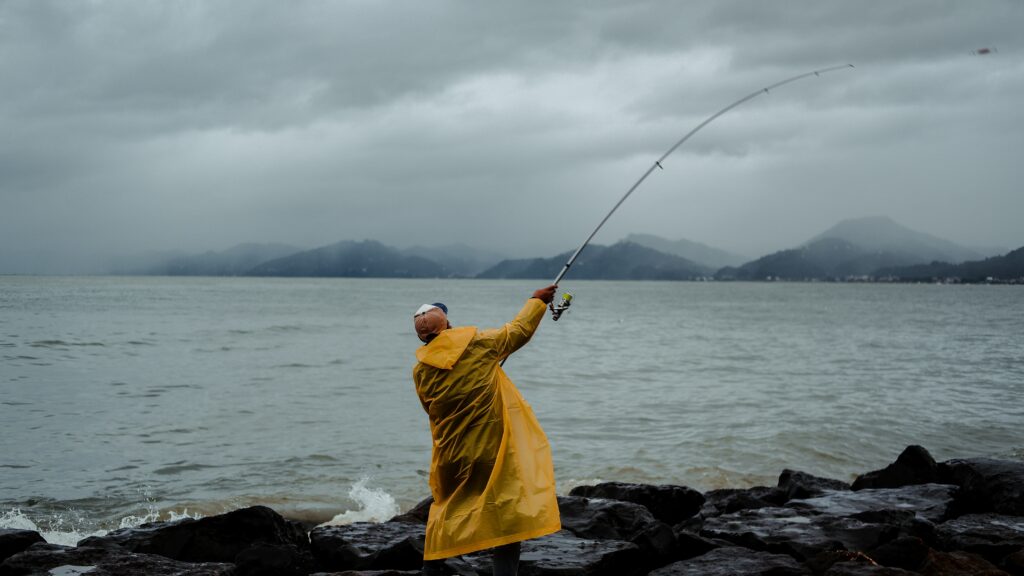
{"x": 958, "y": 564}
{"x": 914, "y": 466}
{"x": 369, "y": 546}
{"x": 991, "y": 536}
{"x": 1014, "y": 563}
{"x": 668, "y": 503}
{"x": 418, "y": 513}
{"x": 907, "y": 552}
{"x": 601, "y": 519}
{"x": 729, "y": 500}
{"x": 563, "y": 554}
{"x": 931, "y": 502}
{"x": 47, "y": 559}
{"x": 795, "y": 484}
{"x": 734, "y": 561}
{"x": 14, "y": 541}
{"x": 987, "y": 485}
{"x": 370, "y": 573}
{"x": 865, "y": 569}
{"x": 213, "y": 539}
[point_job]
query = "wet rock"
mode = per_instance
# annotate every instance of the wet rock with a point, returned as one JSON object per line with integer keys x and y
{"x": 1014, "y": 563}
{"x": 369, "y": 546}
{"x": 691, "y": 545}
{"x": 274, "y": 560}
{"x": 729, "y": 500}
{"x": 795, "y": 484}
{"x": 668, "y": 503}
{"x": 987, "y": 485}
{"x": 931, "y": 502}
{"x": 50, "y": 559}
{"x": 841, "y": 520}
{"x": 907, "y": 552}
{"x": 370, "y": 573}
{"x": 418, "y": 514}
{"x": 913, "y": 466}
{"x": 602, "y": 519}
{"x": 865, "y": 569}
{"x": 14, "y": 541}
{"x": 212, "y": 539}
{"x": 563, "y": 554}
{"x": 958, "y": 564}
{"x": 991, "y": 536}
{"x": 734, "y": 561}
{"x": 801, "y": 535}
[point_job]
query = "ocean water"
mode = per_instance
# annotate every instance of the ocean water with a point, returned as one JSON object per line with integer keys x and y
{"x": 124, "y": 400}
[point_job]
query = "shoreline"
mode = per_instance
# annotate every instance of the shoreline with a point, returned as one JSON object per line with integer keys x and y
{"x": 916, "y": 516}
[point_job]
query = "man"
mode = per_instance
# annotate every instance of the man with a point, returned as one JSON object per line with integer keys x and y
{"x": 491, "y": 474}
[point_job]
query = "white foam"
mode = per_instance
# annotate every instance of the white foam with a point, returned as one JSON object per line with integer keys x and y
{"x": 375, "y": 506}
{"x": 67, "y": 529}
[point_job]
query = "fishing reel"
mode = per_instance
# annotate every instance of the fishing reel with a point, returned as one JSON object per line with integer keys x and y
{"x": 558, "y": 309}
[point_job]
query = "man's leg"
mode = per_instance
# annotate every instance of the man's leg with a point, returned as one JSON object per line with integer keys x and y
{"x": 506, "y": 560}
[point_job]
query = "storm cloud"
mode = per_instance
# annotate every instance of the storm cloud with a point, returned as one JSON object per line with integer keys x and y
{"x": 142, "y": 125}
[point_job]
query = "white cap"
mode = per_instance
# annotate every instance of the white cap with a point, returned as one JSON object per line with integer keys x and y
{"x": 424, "y": 309}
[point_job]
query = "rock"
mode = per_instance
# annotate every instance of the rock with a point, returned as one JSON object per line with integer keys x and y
{"x": 668, "y": 503}
{"x": 958, "y": 564}
{"x": 734, "y": 561}
{"x": 602, "y": 519}
{"x": 14, "y": 541}
{"x": 987, "y": 485}
{"x": 860, "y": 521}
{"x": 991, "y": 536}
{"x": 691, "y": 545}
{"x": 801, "y": 535}
{"x": 914, "y": 466}
{"x": 1014, "y": 563}
{"x": 929, "y": 501}
{"x": 370, "y": 573}
{"x": 50, "y": 559}
{"x": 563, "y": 554}
{"x": 865, "y": 569}
{"x": 796, "y": 484}
{"x": 729, "y": 500}
{"x": 274, "y": 560}
{"x": 212, "y": 539}
{"x": 418, "y": 514}
{"x": 369, "y": 546}
{"x": 907, "y": 552}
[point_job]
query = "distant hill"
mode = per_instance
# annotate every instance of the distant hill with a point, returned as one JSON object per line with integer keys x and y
{"x": 1001, "y": 268}
{"x": 366, "y": 259}
{"x": 883, "y": 235}
{"x": 621, "y": 261}
{"x": 825, "y": 258}
{"x": 694, "y": 251}
{"x": 460, "y": 259}
{"x": 235, "y": 261}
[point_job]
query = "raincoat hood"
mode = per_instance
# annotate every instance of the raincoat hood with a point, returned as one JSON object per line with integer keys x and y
{"x": 446, "y": 349}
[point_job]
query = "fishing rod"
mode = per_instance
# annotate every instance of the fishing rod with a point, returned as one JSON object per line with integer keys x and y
{"x": 566, "y": 301}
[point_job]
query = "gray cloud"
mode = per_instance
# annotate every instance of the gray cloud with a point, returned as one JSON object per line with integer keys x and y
{"x": 139, "y": 125}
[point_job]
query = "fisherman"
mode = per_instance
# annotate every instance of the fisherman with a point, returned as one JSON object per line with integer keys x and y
{"x": 491, "y": 474}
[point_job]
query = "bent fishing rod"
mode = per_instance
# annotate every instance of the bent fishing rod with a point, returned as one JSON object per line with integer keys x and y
{"x": 563, "y": 305}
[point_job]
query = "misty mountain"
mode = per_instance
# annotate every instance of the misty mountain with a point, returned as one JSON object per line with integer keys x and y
{"x": 882, "y": 235}
{"x": 236, "y": 261}
{"x": 695, "y": 251}
{"x": 825, "y": 258}
{"x": 460, "y": 259}
{"x": 1007, "y": 267}
{"x": 621, "y": 261}
{"x": 366, "y": 259}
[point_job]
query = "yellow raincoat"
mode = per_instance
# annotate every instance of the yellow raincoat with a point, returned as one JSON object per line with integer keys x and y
{"x": 491, "y": 473}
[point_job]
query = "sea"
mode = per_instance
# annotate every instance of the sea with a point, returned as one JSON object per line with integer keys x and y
{"x": 130, "y": 399}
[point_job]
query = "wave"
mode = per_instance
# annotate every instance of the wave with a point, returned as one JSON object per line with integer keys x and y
{"x": 375, "y": 505}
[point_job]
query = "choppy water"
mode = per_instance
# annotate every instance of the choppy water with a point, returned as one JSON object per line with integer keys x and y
{"x": 128, "y": 399}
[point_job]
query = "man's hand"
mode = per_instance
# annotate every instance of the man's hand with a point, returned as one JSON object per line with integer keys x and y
{"x": 546, "y": 295}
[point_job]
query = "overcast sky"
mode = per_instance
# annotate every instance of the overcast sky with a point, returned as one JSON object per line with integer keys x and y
{"x": 140, "y": 125}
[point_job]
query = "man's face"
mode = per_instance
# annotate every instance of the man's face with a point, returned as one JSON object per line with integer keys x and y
{"x": 431, "y": 322}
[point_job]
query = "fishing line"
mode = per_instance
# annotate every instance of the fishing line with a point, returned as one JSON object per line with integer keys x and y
{"x": 563, "y": 305}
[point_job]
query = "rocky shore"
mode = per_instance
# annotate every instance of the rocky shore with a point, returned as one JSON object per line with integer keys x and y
{"x": 916, "y": 516}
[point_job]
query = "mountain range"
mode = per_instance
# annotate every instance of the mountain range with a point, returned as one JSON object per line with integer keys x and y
{"x": 858, "y": 249}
